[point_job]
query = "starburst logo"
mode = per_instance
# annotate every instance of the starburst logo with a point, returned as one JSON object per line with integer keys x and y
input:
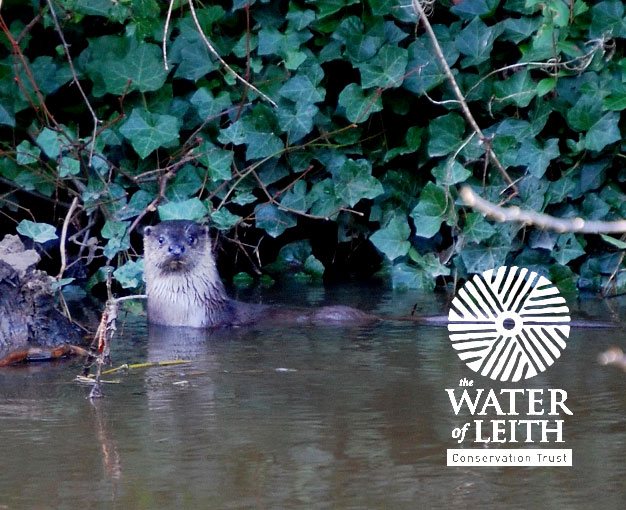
{"x": 509, "y": 324}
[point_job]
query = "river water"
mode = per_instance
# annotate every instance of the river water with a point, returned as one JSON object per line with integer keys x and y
{"x": 298, "y": 417}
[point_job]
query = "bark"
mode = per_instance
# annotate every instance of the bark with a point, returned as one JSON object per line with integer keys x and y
{"x": 28, "y": 313}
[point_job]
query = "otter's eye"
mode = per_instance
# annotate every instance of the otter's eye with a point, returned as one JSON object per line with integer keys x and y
{"x": 161, "y": 240}
{"x": 191, "y": 239}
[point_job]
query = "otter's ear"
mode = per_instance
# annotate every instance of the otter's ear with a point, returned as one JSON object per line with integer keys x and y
{"x": 147, "y": 231}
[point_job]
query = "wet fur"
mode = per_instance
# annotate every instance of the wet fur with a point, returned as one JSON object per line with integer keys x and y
{"x": 185, "y": 289}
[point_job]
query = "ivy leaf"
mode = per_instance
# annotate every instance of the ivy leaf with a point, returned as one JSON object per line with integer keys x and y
{"x": 392, "y": 239}
{"x": 431, "y": 210}
{"x": 7, "y": 114}
{"x": 476, "y": 42}
{"x": 223, "y": 219}
{"x": 354, "y": 181}
{"x": 27, "y": 154}
{"x": 300, "y": 89}
{"x": 137, "y": 203}
{"x": 519, "y": 89}
{"x": 615, "y": 102}
{"x": 193, "y": 58}
{"x": 130, "y": 275}
{"x": 475, "y": 8}
{"x": 235, "y": 133}
{"x": 430, "y": 263}
{"x": 295, "y": 198}
{"x": 261, "y": 142}
{"x": 207, "y": 106}
{"x": 594, "y": 208}
{"x": 450, "y": 172}
{"x": 292, "y": 256}
{"x": 412, "y": 142}
{"x": 359, "y": 105}
{"x": 314, "y": 267}
{"x": 68, "y": 166}
{"x": 327, "y": 8}
{"x": 603, "y": 132}
{"x": 49, "y": 142}
{"x": 142, "y": 67}
{"x": 429, "y": 74}
{"x": 361, "y": 47}
{"x": 117, "y": 234}
{"x": 446, "y": 134}
{"x": 565, "y": 280}
{"x": 608, "y": 18}
{"x": 186, "y": 183}
{"x": 297, "y": 121}
{"x": 322, "y": 199}
{"x": 190, "y": 209}
{"x": 117, "y": 11}
{"x": 404, "y": 276}
{"x": 386, "y": 69}
{"x": 585, "y": 113}
{"x": 480, "y": 257}
{"x": 261, "y": 145}
{"x": 300, "y": 19}
{"x": 477, "y": 228}
{"x": 535, "y": 158}
{"x": 149, "y": 131}
{"x": 545, "y": 86}
{"x": 38, "y": 232}
{"x": 47, "y": 74}
{"x": 619, "y": 244}
{"x": 382, "y": 7}
{"x": 271, "y": 219}
{"x": 218, "y": 162}
{"x": 567, "y": 248}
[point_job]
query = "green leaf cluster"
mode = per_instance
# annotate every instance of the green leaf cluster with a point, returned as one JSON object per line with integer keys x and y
{"x": 362, "y": 133}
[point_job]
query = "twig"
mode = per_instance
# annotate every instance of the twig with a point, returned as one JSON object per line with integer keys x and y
{"x": 66, "y": 222}
{"x": 459, "y": 95}
{"x": 163, "y": 180}
{"x": 214, "y": 52}
{"x": 28, "y": 27}
{"x": 104, "y": 335}
{"x": 166, "y": 29}
{"x": 21, "y": 59}
{"x": 540, "y": 220}
{"x": 552, "y": 65}
{"x": 147, "y": 364}
{"x": 66, "y": 49}
{"x": 612, "y": 281}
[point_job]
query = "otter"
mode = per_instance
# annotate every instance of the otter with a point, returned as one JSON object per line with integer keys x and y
{"x": 185, "y": 289}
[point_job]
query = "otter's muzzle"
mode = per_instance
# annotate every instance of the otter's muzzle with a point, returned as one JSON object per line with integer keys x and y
{"x": 176, "y": 250}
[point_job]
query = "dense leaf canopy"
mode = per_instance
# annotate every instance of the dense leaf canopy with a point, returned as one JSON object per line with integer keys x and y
{"x": 340, "y": 123}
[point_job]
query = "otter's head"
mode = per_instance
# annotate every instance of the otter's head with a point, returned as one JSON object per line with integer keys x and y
{"x": 176, "y": 246}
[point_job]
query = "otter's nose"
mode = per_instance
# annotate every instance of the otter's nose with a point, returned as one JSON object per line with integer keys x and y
{"x": 176, "y": 249}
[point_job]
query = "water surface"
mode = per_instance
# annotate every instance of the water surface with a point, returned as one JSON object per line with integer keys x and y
{"x": 299, "y": 417}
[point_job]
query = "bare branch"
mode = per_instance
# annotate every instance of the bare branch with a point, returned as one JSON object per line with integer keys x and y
{"x": 540, "y": 220}
{"x": 66, "y": 49}
{"x": 66, "y": 222}
{"x": 214, "y": 52}
{"x": 165, "y": 31}
{"x": 417, "y": 5}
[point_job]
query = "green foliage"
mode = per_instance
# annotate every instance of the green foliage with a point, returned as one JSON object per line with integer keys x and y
{"x": 365, "y": 134}
{"x": 130, "y": 275}
{"x": 38, "y": 232}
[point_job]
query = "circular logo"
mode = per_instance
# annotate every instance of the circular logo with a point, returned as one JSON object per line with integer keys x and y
{"x": 508, "y": 324}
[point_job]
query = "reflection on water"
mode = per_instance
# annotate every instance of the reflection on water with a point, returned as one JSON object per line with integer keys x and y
{"x": 338, "y": 417}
